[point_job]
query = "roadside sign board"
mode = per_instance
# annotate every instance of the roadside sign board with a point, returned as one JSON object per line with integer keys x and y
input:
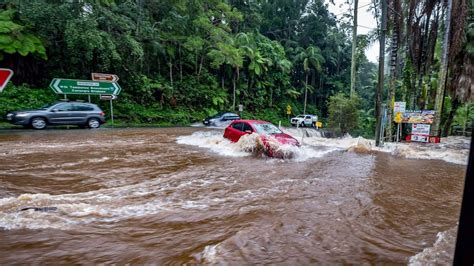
{"x": 104, "y": 77}
{"x": 420, "y": 132}
{"x": 398, "y": 117}
{"x": 288, "y": 109}
{"x": 74, "y": 86}
{"x": 419, "y": 117}
{"x": 241, "y": 108}
{"x": 399, "y": 107}
{"x": 420, "y": 129}
{"x": 108, "y": 97}
{"x": 5, "y": 76}
{"x": 419, "y": 138}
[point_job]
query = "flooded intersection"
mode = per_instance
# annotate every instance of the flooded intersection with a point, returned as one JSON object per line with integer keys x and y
{"x": 186, "y": 195}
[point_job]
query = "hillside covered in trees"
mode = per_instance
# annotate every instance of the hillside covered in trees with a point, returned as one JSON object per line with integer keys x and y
{"x": 181, "y": 60}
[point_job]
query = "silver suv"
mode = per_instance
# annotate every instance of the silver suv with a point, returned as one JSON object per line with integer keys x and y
{"x": 59, "y": 113}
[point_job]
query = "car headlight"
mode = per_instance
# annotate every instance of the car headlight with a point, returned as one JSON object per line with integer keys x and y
{"x": 21, "y": 114}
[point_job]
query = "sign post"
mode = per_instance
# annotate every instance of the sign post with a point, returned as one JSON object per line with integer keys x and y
{"x": 5, "y": 76}
{"x": 74, "y": 86}
{"x": 241, "y": 109}
{"x": 288, "y": 111}
{"x": 104, "y": 77}
{"x": 107, "y": 89}
{"x": 399, "y": 109}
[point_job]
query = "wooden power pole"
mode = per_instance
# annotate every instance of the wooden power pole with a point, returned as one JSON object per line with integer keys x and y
{"x": 354, "y": 46}
{"x": 378, "y": 101}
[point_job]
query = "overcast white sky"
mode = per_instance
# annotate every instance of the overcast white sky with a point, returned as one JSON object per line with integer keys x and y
{"x": 365, "y": 20}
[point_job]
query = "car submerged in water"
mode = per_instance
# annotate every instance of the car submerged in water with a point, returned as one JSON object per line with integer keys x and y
{"x": 268, "y": 133}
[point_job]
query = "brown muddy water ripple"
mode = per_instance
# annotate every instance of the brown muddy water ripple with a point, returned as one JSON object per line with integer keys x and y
{"x": 137, "y": 196}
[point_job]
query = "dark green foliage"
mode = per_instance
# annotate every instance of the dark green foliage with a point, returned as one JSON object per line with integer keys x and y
{"x": 343, "y": 113}
{"x": 179, "y": 61}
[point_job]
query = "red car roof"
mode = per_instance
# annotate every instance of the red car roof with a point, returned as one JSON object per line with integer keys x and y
{"x": 252, "y": 121}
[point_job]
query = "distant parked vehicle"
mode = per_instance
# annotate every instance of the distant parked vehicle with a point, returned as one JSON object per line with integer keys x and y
{"x": 222, "y": 118}
{"x": 59, "y": 113}
{"x": 304, "y": 120}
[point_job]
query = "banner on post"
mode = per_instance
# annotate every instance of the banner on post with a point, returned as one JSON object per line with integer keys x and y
{"x": 419, "y": 117}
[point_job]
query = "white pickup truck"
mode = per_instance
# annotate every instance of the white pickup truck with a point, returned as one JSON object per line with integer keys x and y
{"x": 304, "y": 120}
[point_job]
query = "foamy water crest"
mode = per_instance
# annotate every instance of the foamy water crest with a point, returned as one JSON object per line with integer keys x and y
{"x": 451, "y": 149}
{"x": 441, "y": 253}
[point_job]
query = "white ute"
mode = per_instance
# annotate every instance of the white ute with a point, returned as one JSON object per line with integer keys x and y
{"x": 304, "y": 120}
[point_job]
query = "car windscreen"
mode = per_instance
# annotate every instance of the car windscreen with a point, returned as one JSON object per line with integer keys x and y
{"x": 46, "y": 106}
{"x": 267, "y": 129}
{"x": 300, "y": 116}
{"x": 216, "y": 115}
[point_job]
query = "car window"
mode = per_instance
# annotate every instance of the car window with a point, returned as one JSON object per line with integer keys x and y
{"x": 247, "y": 127}
{"x": 217, "y": 115}
{"x": 65, "y": 107}
{"x": 308, "y": 117}
{"x": 238, "y": 126}
{"x": 267, "y": 129}
{"x": 83, "y": 107}
{"x": 46, "y": 106}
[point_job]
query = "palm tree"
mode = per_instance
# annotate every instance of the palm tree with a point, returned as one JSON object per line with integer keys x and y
{"x": 312, "y": 60}
{"x": 227, "y": 54}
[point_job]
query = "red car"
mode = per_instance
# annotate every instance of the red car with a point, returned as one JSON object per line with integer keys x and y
{"x": 266, "y": 130}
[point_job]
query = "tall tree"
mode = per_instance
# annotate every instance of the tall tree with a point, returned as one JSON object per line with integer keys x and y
{"x": 435, "y": 129}
{"x": 312, "y": 60}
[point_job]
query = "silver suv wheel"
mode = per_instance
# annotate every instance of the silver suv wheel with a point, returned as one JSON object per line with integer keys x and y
{"x": 93, "y": 123}
{"x": 38, "y": 123}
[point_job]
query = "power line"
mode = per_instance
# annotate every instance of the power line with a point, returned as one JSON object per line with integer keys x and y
{"x": 362, "y": 26}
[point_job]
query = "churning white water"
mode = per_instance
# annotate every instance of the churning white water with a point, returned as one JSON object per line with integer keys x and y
{"x": 451, "y": 149}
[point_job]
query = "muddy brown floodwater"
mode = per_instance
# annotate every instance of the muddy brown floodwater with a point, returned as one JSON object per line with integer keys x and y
{"x": 140, "y": 196}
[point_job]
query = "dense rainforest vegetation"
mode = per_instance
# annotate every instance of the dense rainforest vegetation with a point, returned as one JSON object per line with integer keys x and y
{"x": 181, "y": 60}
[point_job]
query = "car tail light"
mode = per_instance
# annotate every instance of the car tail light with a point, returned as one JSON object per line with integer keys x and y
{"x": 102, "y": 113}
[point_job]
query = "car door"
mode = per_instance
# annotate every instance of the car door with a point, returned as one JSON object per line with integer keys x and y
{"x": 61, "y": 114}
{"x": 234, "y": 131}
{"x": 80, "y": 113}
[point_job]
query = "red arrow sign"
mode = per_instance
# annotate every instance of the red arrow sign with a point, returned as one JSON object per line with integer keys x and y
{"x": 104, "y": 77}
{"x": 5, "y": 75}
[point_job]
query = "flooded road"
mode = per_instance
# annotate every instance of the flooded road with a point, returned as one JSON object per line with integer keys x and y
{"x": 186, "y": 195}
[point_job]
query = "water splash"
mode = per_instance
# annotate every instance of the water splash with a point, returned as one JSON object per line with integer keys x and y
{"x": 252, "y": 144}
{"x": 441, "y": 253}
{"x": 451, "y": 149}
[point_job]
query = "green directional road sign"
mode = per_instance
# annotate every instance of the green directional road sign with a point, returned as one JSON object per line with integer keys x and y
{"x": 74, "y": 86}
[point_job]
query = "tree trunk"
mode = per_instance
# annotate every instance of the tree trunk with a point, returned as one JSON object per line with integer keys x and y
{"x": 200, "y": 66}
{"x": 354, "y": 45}
{"x": 305, "y": 93}
{"x": 435, "y": 129}
{"x": 171, "y": 73}
{"x": 180, "y": 64}
{"x": 449, "y": 120}
{"x": 233, "y": 87}
{"x": 378, "y": 101}
{"x": 393, "y": 77}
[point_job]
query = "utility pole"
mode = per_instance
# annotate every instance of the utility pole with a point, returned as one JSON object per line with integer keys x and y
{"x": 378, "y": 101}
{"x": 354, "y": 45}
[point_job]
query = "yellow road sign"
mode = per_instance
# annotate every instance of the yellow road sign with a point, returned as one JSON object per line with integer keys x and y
{"x": 288, "y": 109}
{"x": 398, "y": 117}
{"x": 319, "y": 124}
